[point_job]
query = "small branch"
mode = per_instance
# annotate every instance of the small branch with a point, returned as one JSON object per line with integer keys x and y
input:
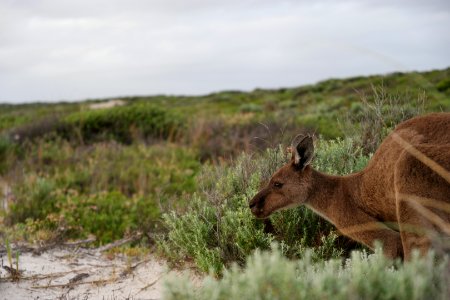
{"x": 21, "y": 249}
{"x": 53, "y": 275}
{"x": 150, "y": 284}
{"x": 119, "y": 243}
{"x": 80, "y": 242}
{"x": 101, "y": 281}
{"x": 78, "y": 278}
{"x": 39, "y": 249}
{"x": 130, "y": 269}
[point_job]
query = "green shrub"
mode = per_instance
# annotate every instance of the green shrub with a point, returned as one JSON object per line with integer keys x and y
{"x": 376, "y": 115}
{"x": 323, "y": 123}
{"x": 6, "y": 153}
{"x": 212, "y": 244}
{"x": 218, "y": 228}
{"x": 250, "y": 107}
{"x": 339, "y": 157}
{"x": 33, "y": 130}
{"x": 107, "y": 215}
{"x": 66, "y": 182}
{"x": 8, "y": 121}
{"x": 34, "y": 200}
{"x": 66, "y": 214}
{"x": 224, "y": 138}
{"x": 111, "y": 166}
{"x": 443, "y": 85}
{"x": 272, "y": 276}
{"x": 208, "y": 231}
{"x": 288, "y": 104}
{"x": 123, "y": 123}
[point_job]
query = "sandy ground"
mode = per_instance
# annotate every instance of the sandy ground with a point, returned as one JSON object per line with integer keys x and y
{"x": 83, "y": 274}
{"x": 107, "y": 104}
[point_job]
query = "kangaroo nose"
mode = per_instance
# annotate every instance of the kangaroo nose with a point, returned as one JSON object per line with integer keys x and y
{"x": 256, "y": 204}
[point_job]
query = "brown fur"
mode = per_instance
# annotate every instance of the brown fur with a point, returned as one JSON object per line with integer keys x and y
{"x": 399, "y": 198}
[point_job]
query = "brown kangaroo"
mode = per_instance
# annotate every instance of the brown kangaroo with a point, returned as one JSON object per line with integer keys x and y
{"x": 401, "y": 197}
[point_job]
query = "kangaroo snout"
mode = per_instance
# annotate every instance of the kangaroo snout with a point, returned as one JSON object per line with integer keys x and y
{"x": 256, "y": 205}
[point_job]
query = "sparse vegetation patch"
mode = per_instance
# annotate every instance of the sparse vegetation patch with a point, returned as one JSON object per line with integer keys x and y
{"x": 178, "y": 172}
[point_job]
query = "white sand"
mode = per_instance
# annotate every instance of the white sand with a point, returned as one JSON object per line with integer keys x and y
{"x": 47, "y": 276}
{"x": 107, "y": 104}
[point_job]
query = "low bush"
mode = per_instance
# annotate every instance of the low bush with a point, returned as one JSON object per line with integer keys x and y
{"x": 225, "y": 138}
{"x": 36, "y": 129}
{"x": 105, "y": 189}
{"x": 250, "y": 107}
{"x": 123, "y": 123}
{"x": 322, "y": 123}
{"x": 443, "y": 85}
{"x": 35, "y": 199}
{"x": 270, "y": 275}
{"x": 207, "y": 231}
{"x": 63, "y": 214}
{"x": 108, "y": 215}
{"x": 218, "y": 228}
{"x": 375, "y": 116}
{"x": 6, "y": 153}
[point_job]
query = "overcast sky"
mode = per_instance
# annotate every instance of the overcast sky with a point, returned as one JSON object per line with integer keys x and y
{"x": 53, "y": 50}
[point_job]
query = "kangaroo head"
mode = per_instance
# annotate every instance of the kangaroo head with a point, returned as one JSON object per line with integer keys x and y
{"x": 290, "y": 185}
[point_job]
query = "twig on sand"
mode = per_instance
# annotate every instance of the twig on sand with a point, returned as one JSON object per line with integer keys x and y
{"x": 78, "y": 277}
{"x": 52, "y": 275}
{"x": 150, "y": 284}
{"x": 21, "y": 249}
{"x": 39, "y": 249}
{"x": 80, "y": 242}
{"x": 64, "y": 285}
{"x": 119, "y": 243}
{"x": 130, "y": 269}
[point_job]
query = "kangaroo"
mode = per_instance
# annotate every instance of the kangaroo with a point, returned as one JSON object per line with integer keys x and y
{"x": 401, "y": 197}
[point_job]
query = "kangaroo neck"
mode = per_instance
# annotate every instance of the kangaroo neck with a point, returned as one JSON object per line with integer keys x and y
{"x": 330, "y": 194}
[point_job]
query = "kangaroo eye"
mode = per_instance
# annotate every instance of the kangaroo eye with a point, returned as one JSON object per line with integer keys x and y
{"x": 277, "y": 184}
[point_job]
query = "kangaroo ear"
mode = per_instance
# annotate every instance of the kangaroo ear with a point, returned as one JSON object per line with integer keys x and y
{"x": 302, "y": 150}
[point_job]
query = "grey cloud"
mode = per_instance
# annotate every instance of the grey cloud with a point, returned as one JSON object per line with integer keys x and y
{"x": 73, "y": 50}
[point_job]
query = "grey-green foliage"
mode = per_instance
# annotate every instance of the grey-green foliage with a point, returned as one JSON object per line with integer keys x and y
{"x": 122, "y": 123}
{"x": 375, "y": 116}
{"x": 340, "y": 157}
{"x": 218, "y": 228}
{"x": 6, "y": 149}
{"x": 270, "y": 275}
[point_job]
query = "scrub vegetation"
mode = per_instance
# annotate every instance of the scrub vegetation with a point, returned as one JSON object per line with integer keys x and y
{"x": 270, "y": 275}
{"x": 179, "y": 172}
